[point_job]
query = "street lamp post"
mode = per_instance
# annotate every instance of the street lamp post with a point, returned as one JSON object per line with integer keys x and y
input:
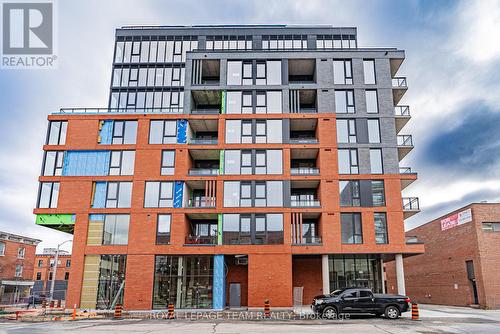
{"x": 54, "y": 270}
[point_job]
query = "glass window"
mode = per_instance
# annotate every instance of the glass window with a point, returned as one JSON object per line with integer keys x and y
{"x": 48, "y": 195}
{"x": 124, "y": 132}
{"x": 57, "y": 133}
{"x": 2, "y": 248}
{"x": 159, "y": 195}
{"x": 163, "y": 132}
{"x": 260, "y": 131}
{"x": 110, "y": 281}
{"x": 261, "y": 73}
{"x": 371, "y": 101}
{"x": 260, "y": 108}
{"x": 380, "y": 221}
{"x": 378, "y": 194}
{"x": 21, "y": 252}
{"x": 349, "y": 193}
{"x": 260, "y": 162}
{"x": 118, "y": 194}
{"x": 369, "y": 71}
{"x": 232, "y": 162}
{"x": 348, "y": 161}
{"x": 115, "y": 230}
{"x": 163, "y": 229}
{"x": 274, "y": 162}
{"x": 246, "y": 162}
{"x": 260, "y": 194}
{"x": 233, "y": 131}
{"x": 231, "y": 194}
{"x": 247, "y": 73}
{"x": 53, "y": 163}
{"x": 246, "y": 131}
{"x": 119, "y": 52}
{"x": 19, "y": 270}
{"x": 122, "y": 163}
{"x": 233, "y": 105}
{"x": 274, "y": 131}
{"x": 234, "y": 69}
{"x": 342, "y": 72}
{"x": 373, "y": 131}
{"x": 246, "y": 107}
{"x": 167, "y": 162}
{"x": 491, "y": 227}
{"x": 376, "y": 161}
{"x": 344, "y": 102}
{"x": 346, "y": 131}
{"x": 274, "y": 193}
{"x": 274, "y": 102}
{"x": 246, "y": 194}
{"x": 351, "y": 228}
{"x": 273, "y": 72}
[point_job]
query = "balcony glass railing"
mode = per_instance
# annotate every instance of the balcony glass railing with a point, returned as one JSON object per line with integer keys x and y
{"x": 203, "y": 141}
{"x": 399, "y": 82}
{"x": 402, "y": 110}
{"x": 309, "y": 240}
{"x": 411, "y": 204}
{"x": 303, "y": 140}
{"x": 172, "y": 110}
{"x": 406, "y": 170}
{"x": 202, "y": 202}
{"x": 405, "y": 140}
{"x": 201, "y": 240}
{"x": 305, "y": 203}
{"x": 304, "y": 171}
{"x": 205, "y": 111}
{"x": 305, "y": 110}
{"x": 204, "y": 171}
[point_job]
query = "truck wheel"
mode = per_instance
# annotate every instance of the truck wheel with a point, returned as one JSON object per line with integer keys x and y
{"x": 391, "y": 312}
{"x": 329, "y": 313}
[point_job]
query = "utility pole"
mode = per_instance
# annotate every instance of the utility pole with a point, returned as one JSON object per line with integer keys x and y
{"x": 54, "y": 271}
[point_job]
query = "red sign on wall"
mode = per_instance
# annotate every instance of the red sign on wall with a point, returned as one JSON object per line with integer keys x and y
{"x": 456, "y": 219}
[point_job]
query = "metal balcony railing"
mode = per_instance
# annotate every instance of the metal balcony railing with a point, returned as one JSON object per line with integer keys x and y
{"x": 308, "y": 110}
{"x": 174, "y": 110}
{"x": 202, "y": 202}
{"x": 411, "y": 204}
{"x": 402, "y": 110}
{"x": 305, "y": 203}
{"x": 405, "y": 140}
{"x": 203, "y": 141}
{"x": 303, "y": 141}
{"x": 399, "y": 82}
{"x": 205, "y": 111}
{"x": 304, "y": 171}
{"x": 309, "y": 240}
{"x": 405, "y": 170}
{"x": 204, "y": 171}
{"x": 201, "y": 240}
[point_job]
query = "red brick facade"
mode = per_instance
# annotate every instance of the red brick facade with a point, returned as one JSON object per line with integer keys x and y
{"x": 440, "y": 275}
{"x": 10, "y": 259}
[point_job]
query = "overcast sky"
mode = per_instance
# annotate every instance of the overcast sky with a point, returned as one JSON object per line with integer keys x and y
{"x": 452, "y": 66}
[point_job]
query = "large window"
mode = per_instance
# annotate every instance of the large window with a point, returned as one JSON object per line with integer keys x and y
{"x": 380, "y": 221}
{"x": 369, "y": 71}
{"x": 48, "y": 195}
{"x": 371, "y": 101}
{"x": 111, "y": 281}
{"x": 240, "y": 73}
{"x": 351, "y": 228}
{"x": 53, "y": 163}
{"x": 344, "y": 102}
{"x": 491, "y": 227}
{"x": 348, "y": 161}
{"x": 342, "y": 72}
{"x": 253, "y": 162}
{"x": 376, "y": 161}
{"x": 252, "y": 229}
{"x": 229, "y": 43}
{"x": 349, "y": 193}
{"x": 360, "y": 270}
{"x": 122, "y": 163}
{"x": 253, "y": 193}
{"x": 159, "y": 195}
{"x": 124, "y": 132}
{"x": 155, "y": 51}
{"x": 284, "y": 42}
{"x": 118, "y": 194}
{"x": 115, "y": 229}
{"x": 269, "y": 102}
{"x": 163, "y": 132}
{"x": 163, "y": 229}
{"x": 346, "y": 130}
{"x": 254, "y": 131}
{"x": 373, "y": 131}
{"x": 57, "y": 133}
{"x": 185, "y": 281}
{"x": 167, "y": 162}
{"x": 378, "y": 195}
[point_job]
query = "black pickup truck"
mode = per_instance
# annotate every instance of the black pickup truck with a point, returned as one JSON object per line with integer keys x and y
{"x": 357, "y": 300}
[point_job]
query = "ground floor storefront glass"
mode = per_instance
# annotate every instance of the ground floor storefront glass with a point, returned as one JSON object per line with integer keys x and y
{"x": 355, "y": 270}
{"x": 111, "y": 281}
{"x": 185, "y": 281}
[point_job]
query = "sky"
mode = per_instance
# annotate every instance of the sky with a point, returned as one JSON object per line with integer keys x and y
{"x": 452, "y": 65}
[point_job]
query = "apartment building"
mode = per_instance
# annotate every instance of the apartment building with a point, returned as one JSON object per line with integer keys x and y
{"x": 460, "y": 264}
{"x": 43, "y": 273}
{"x": 233, "y": 164}
{"x": 17, "y": 256}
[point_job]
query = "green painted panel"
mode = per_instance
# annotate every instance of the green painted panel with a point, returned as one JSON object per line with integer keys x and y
{"x": 223, "y": 102}
{"x": 219, "y": 229}
{"x": 221, "y": 162}
{"x": 60, "y": 219}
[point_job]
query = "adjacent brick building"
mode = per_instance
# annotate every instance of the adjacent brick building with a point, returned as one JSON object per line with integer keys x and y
{"x": 461, "y": 263}
{"x": 43, "y": 273}
{"x": 232, "y": 164}
{"x": 17, "y": 256}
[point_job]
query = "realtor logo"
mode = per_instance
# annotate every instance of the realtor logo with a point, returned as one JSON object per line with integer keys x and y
{"x": 28, "y": 34}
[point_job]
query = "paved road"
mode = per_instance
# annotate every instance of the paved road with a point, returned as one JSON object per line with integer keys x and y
{"x": 434, "y": 320}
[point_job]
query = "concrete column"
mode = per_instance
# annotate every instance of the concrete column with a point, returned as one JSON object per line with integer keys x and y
{"x": 400, "y": 275}
{"x": 382, "y": 275}
{"x": 325, "y": 274}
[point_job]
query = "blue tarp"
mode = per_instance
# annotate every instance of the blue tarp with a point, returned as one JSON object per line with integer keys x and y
{"x": 219, "y": 286}
{"x": 86, "y": 163}
{"x": 99, "y": 195}
{"x": 181, "y": 131}
{"x": 178, "y": 191}
{"x": 106, "y": 132}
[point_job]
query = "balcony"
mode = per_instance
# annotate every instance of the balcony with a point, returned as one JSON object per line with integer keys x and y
{"x": 407, "y": 176}
{"x": 402, "y": 114}
{"x": 303, "y": 140}
{"x": 304, "y": 171}
{"x": 405, "y": 145}
{"x": 202, "y": 230}
{"x": 201, "y": 202}
{"x": 308, "y": 240}
{"x": 410, "y": 206}
{"x": 201, "y": 240}
{"x": 205, "y": 102}
{"x": 204, "y": 141}
{"x": 206, "y": 111}
{"x": 203, "y": 171}
{"x": 206, "y": 72}
{"x": 301, "y": 71}
{"x": 399, "y": 88}
{"x": 303, "y": 101}
{"x": 200, "y": 193}
{"x": 303, "y": 131}
{"x": 306, "y": 203}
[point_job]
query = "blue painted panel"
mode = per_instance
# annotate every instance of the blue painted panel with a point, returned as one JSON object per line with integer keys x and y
{"x": 99, "y": 195}
{"x": 106, "y": 132}
{"x": 86, "y": 163}
{"x": 219, "y": 286}
{"x": 178, "y": 192}
{"x": 96, "y": 217}
{"x": 181, "y": 131}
